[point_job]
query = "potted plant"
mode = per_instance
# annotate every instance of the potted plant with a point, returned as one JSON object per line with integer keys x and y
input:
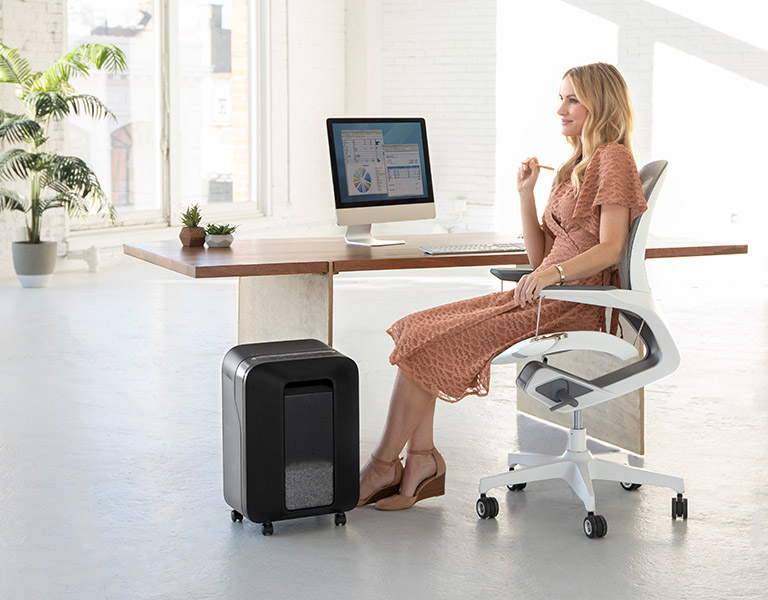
{"x": 219, "y": 235}
{"x": 53, "y": 180}
{"x": 192, "y": 234}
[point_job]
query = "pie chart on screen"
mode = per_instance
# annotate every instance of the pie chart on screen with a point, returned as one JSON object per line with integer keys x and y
{"x": 361, "y": 179}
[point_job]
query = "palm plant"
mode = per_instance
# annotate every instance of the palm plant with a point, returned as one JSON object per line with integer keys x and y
{"x": 54, "y": 180}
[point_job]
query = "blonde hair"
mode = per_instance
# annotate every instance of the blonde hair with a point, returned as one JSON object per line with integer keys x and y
{"x": 604, "y": 93}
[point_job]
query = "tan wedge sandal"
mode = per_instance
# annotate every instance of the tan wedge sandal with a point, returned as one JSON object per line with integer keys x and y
{"x": 387, "y": 490}
{"x": 432, "y": 486}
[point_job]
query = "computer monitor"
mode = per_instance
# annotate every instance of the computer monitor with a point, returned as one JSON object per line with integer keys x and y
{"x": 381, "y": 173}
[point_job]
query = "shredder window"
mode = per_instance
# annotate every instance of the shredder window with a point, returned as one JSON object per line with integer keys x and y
{"x": 308, "y": 440}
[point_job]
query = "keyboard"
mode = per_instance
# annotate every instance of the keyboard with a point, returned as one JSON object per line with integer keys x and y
{"x": 474, "y": 248}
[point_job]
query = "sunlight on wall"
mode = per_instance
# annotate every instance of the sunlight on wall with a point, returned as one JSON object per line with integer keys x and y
{"x": 697, "y": 71}
{"x": 745, "y": 20}
{"x": 710, "y": 125}
{"x": 536, "y": 44}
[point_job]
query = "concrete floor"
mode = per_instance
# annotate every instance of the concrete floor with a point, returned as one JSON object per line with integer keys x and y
{"x": 110, "y": 454}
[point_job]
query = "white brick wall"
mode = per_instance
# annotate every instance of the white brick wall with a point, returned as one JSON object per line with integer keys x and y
{"x": 438, "y": 61}
{"x": 372, "y": 57}
{"x": 36, "y": 28}
{"x": 642, "y": 24}
{"x": 699, "y": 79}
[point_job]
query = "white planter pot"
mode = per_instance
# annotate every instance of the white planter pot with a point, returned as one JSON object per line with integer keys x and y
{"x": 34, "y": 263}
{"x": 219, "y": 241}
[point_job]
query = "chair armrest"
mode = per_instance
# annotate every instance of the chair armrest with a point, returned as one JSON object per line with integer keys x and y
{"x": 640, "y": 303}
{"x": 511, "y": 274}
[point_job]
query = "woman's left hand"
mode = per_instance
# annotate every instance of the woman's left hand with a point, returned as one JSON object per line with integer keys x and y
{"x": 529, "y": 287}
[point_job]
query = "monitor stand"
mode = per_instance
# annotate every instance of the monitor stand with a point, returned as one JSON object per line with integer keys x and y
{"x": 360, "y": 235}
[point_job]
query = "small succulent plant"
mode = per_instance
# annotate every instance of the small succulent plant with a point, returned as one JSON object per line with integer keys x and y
{"x": 220, "y": 228}
{"x": 192, "y": 217}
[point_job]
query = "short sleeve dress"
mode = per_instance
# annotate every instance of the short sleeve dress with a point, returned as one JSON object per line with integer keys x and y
{"x": 447, "y": 350}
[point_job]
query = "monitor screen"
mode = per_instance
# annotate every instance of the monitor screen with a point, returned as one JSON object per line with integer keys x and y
{"x": 378, "y": 162}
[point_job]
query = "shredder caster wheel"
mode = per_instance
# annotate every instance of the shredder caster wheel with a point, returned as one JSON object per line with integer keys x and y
{"x": 236, "y": 517}
{"x": 340, "y": 519}
{"x": 487, "y": 507}
{"x": 267, "y": 529}
{"x": 595, "y": 526}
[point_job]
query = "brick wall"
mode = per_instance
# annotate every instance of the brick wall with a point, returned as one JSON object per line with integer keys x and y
{"x": 438, "y": 61}
{"x": 643, "y": 24}
{"x": 699, "y": 79}
{"x": 390, "y": 57}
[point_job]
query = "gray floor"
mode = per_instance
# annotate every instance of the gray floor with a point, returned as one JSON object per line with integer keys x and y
{"x": 110, "y": 461}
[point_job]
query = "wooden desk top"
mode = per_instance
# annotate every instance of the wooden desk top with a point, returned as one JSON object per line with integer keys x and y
{"x": 247, "y": 258}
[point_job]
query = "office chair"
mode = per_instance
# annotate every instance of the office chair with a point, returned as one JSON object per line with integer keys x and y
{"x": 566, "y": 392}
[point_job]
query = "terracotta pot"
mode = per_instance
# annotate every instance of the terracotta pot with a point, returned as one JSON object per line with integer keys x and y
{"x": 192, "y": 236}
{"x": 34, "y": 263}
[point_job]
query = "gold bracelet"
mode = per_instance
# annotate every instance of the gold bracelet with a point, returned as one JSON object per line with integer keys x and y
{"x": 562, "y": 274}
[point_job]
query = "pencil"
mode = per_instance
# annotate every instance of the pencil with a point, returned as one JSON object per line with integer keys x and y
{"x": 541, "y": 166}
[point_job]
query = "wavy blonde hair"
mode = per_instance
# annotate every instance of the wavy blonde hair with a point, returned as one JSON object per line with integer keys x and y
{"x": 604, "y": 93}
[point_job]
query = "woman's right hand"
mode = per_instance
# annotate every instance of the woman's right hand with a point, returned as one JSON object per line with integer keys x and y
{"x": 527, "y": 175}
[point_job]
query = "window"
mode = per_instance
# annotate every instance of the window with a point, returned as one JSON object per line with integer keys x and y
{"x": 120, "y": 153}
{"x": 213, "y": 96}
{"x": 206, "y": 57}
{"x": 123, "y": 152}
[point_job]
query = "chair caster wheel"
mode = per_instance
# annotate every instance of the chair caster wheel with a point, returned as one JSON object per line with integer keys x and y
{"x": 236, "y": 517}
{"x": 487, "y": 507}
{"x": 679, "y": 507}
{"x": 595, "y": 526}
{"x": 630, "y": 486}
{"x": 340, "y": 519}
{"x": 267, "y": 528}
{"x": 516, "y": 487}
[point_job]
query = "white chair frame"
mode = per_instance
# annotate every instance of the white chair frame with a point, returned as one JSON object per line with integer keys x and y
{"x": 566, "y": 392}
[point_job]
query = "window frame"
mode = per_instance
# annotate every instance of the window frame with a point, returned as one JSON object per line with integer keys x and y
{"x": 168, "y": 127}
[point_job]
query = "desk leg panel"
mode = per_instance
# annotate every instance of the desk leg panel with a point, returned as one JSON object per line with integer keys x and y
{"x": 285, "y": 307}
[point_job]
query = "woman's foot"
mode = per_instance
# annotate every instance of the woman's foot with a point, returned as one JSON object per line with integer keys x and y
{"x": 418, "y": 467}
{"x": 424, "y": 477}
{"x": 379, "y": 479}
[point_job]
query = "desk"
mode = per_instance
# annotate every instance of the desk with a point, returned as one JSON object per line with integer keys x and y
{"x": 286, "y": 285}
{"x": 286, "y": 292}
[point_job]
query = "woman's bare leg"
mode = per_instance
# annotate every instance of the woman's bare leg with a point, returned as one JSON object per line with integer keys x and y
{"x": 409, "y": 407}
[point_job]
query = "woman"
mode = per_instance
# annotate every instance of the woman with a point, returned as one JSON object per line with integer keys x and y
{"x": 446, "y": 351}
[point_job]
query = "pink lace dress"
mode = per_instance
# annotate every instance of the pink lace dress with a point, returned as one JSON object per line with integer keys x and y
{"x": 447, "y": 350}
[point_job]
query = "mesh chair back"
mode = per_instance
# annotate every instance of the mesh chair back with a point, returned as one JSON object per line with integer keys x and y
{"x": 632, "y": 264}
